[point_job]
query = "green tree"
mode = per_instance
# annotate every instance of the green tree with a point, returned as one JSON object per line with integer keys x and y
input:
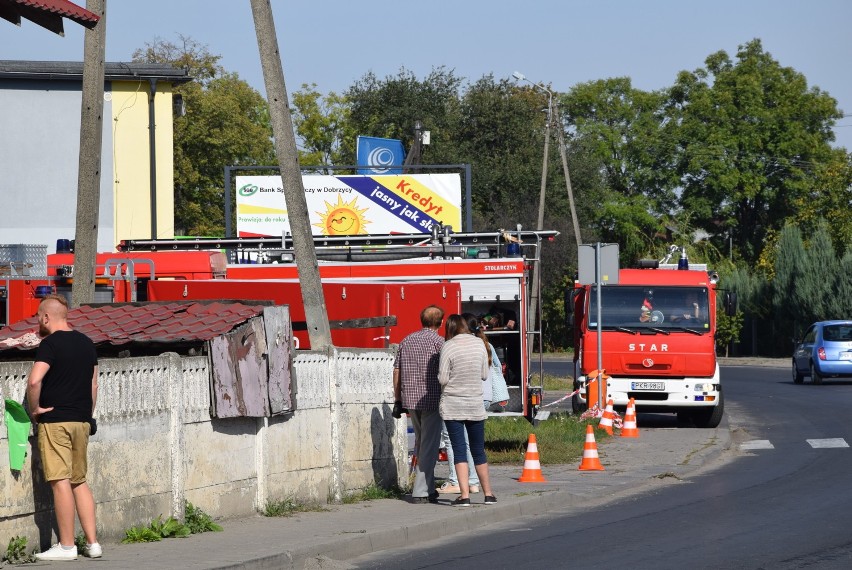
{"x": 751, "y": 290}
{"x": 789, "y": 262}
{"x": 186, "y": 53}
{"x": 498, "y": 128}
{"x": 751, "y": 133}
{"x": 226, "y": 123}
{"x": 322, "y": 124}
{"x": 631, "y": 142}
{"x": 389, "y": 108}
{"x": 728, "y": 328}
{"x": 501, "y": 133}
{"x": 842, "y": 290}
{"x": 631, "y": 137}
{"x": 816, "y": 277}
{"x": 829, "y": 199}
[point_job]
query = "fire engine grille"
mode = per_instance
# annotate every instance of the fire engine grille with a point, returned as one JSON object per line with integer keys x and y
{"x": 652, "y": 368}
{"x": 648, "y": 396}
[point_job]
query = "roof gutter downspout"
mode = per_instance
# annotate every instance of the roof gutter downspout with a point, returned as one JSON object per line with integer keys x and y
{"x": 152, "y": 143}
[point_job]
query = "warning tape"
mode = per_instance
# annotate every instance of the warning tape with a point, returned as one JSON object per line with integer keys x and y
{"x": 591, "y": 378}
{"x": 594, "y": 412}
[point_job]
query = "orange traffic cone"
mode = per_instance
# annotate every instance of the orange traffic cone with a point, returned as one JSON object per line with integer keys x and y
{"x": 590, "y": 462}
{"x": 606, "y": 420}
{"x": 630, "y": 429}
{"x": 532, "y": 467}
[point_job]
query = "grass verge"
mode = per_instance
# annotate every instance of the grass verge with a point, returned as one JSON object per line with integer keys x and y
{"x": 289, "y": 507}
{"x": 553, "y": 383}
{"x": 559, "y": 439}
{"x": 373, "y": 492}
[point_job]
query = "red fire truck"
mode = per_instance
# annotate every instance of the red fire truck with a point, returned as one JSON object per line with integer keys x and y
{"x": 374, "y": 286}
{"x": 657, "y": 342}
{"x": 487, "y": 274}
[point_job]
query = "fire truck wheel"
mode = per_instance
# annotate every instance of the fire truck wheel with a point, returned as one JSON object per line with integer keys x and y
{"x": 577, "y": 406}
{"x": 684, "y": 419}
{"x": 710, "y": 417}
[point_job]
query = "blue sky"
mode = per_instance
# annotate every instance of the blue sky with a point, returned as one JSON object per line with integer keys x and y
{"x": 555, "y": 42}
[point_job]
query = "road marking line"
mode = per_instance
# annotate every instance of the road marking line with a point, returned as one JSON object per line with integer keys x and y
{"x": 826, "y": 443}
{"x": 756, "y": 444}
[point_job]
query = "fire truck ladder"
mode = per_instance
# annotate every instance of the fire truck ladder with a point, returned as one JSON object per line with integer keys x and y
{"x": 444, "y": 244}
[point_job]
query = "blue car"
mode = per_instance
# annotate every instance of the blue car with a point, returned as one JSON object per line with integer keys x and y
{"x": 824, "y": 352}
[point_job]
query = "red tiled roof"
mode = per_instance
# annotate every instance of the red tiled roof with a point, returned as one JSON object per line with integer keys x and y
{"x": 47, "y": 13}
{"x": 166, "y": 322}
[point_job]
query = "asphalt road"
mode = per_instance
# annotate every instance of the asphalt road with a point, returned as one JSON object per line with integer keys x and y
{"x": 781, "y": 501}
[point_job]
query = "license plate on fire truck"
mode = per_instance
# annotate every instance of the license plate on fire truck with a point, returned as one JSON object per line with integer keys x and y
{"x": 647, "y": 385}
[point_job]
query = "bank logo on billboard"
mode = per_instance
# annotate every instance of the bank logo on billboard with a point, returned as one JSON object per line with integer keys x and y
{"x": 379, "y": 154}
{"x": 248, "y": 190}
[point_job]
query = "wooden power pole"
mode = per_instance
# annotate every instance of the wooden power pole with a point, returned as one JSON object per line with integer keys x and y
{"x": 89, "y": 170}
{"x": 316, "y": 313}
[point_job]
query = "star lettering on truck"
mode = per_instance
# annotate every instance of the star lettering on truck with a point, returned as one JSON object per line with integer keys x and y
{"x": 642, "y": 347}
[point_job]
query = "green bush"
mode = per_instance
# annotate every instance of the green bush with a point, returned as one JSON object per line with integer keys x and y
{"x": 289, "y": 507}
{"x": 16, "y": 552}
{"x": 156, "y": 531}
{"x": 198, "y": 521}
{"x": 372, "y": 492}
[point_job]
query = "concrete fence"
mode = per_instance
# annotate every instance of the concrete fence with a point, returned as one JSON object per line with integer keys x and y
{"x": 157, "y": 445}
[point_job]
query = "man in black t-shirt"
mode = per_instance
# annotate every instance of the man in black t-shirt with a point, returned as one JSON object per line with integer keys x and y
{"x": 62, "y": 390}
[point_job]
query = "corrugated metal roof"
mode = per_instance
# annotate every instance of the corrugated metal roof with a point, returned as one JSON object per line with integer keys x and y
{"x": 73, "y": 71}
{"x": 131, "y": 323}
{"x": 47, "y": 13}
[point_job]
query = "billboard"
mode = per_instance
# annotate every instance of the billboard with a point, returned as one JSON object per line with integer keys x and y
{"x": 352, "y": 204}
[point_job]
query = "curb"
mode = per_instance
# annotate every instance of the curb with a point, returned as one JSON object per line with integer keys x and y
{"x": 538, "y": 501}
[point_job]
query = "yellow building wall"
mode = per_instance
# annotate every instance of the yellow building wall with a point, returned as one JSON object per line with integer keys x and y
{"x": 131, "y": 164}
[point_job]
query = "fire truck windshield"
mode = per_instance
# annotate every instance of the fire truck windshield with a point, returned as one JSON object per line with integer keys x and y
{"x": 640, "y": 307}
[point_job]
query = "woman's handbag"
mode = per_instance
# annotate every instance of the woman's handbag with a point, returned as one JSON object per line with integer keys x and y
{"x": 499, "y": 390}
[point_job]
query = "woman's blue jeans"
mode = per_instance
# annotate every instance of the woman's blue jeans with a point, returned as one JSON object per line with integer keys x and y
{"x": 468, "y": 437}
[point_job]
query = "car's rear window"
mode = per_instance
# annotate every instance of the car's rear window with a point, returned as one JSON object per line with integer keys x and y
{"x": 837, "y": 333}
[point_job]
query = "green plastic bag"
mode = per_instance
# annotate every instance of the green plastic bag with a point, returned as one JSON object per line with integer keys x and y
{"x": 18, "y": 432}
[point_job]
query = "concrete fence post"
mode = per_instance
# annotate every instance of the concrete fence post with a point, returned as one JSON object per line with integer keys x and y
{"x": 335, "y": 415}
{"x": 177, "y": 450}
{"x": 261, "y": 460}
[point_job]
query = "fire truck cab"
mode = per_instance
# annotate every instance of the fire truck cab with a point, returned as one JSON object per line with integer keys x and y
{"x": 657, "y": 343}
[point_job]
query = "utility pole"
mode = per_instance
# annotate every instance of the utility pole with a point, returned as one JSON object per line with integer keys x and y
{"x": 413, "y": 156}
{"x": 536, "y": 277}
{"x": 574, "y": 220}
{"x": 304, "y": 252}
{"x": 89, "y": 168}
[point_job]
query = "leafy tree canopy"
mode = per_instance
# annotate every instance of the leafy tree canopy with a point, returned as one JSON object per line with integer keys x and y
{"x": 751, "y": 134}
{"x": 226, "y": 123}
{"x": 322, "y": 124}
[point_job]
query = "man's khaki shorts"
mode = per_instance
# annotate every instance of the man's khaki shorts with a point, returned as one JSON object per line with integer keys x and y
{"x": 63, "y": 447}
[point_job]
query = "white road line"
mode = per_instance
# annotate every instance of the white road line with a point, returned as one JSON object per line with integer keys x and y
{"x": 826, "y": 443}
{"x": 756, "y": 444}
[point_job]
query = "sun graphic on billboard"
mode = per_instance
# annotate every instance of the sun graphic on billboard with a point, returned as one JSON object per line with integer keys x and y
{"x": 343, "y": 218}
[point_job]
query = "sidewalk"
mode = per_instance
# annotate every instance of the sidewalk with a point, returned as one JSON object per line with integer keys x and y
{"x": 660, "y": 456}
